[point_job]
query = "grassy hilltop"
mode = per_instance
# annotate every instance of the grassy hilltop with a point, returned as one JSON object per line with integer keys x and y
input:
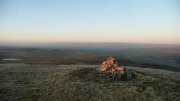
{"x": 33, "y": 82}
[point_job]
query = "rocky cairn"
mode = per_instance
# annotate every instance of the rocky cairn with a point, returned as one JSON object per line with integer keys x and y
{"x": 110, "y": 69}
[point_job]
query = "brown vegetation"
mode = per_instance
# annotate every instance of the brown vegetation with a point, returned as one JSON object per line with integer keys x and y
{"x": 35, "y": 82}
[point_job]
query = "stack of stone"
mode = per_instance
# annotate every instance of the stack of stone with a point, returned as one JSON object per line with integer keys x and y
{"x": 110, "y": 68}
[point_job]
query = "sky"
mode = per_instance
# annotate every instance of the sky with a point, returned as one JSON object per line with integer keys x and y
{"x": 131, "y": 21}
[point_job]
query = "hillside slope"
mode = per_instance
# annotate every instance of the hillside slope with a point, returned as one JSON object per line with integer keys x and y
{"x": 27, "y": 82}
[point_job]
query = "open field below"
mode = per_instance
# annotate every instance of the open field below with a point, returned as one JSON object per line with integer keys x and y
{"x": 141, "y": 55}
{"x": 47, "y": 82}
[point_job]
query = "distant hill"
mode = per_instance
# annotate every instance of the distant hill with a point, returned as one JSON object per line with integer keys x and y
{"x": 92, "y": 45}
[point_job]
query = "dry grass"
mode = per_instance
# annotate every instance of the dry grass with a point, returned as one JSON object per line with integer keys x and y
{"x": 30, "y": 82}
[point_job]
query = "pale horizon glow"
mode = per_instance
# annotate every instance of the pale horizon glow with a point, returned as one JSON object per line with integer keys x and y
{"x": 93, "y": 21}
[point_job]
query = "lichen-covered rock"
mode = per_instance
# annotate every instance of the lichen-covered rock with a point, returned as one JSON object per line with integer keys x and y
{"x": 129, "y": 74}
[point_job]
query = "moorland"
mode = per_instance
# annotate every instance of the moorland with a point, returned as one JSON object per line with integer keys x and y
{"x": 67, "y": 72}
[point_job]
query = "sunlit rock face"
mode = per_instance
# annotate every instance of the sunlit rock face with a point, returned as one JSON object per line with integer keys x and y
{"x": 110, "y": 65}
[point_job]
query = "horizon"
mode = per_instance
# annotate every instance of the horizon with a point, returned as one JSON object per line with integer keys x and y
{"x": 102, "y": 21}
{"x": 90, "y": 45}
